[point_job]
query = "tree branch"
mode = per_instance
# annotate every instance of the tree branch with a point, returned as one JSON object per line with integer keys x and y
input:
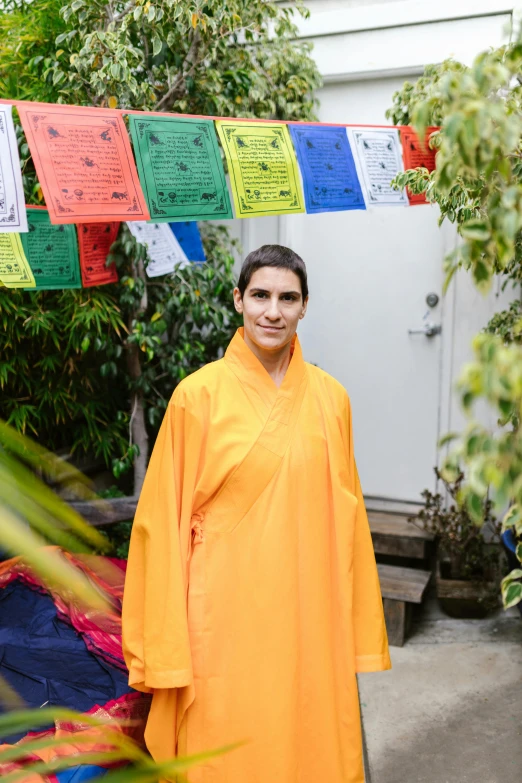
{"x": 190, "y": 58}
{"x": 119, "y": 16}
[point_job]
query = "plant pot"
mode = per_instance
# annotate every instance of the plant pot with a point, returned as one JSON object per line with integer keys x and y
{"x": 509, "y": 543}
{"x": 463, "y": 599}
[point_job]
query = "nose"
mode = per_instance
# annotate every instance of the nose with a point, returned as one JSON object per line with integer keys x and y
{"x": 272, "y": 311}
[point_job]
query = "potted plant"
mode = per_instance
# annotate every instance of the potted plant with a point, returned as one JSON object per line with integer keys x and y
{"x": 469, "y": 559}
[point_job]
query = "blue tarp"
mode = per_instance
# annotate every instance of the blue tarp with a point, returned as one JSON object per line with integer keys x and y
{"x": 81, "y": 773}
{"x": 46, "y": 661}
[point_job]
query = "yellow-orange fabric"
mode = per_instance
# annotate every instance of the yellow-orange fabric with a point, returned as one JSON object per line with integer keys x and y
{"x": 252, "y": 596}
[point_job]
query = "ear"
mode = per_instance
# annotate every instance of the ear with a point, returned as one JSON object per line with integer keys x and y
{"x": 238, "y": 300}
{"x": 303, "y": 311}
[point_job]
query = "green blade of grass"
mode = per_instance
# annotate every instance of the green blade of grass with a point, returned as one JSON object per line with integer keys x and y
{"x": 168, "y": 769}
{"x": 64, "y": 762}
{"x": 112, "y": 738}
{"x": 15, "y": 474}
{"x": 55, "y": 468}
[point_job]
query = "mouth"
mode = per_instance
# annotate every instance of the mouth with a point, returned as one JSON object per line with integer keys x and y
{"x": 271, "y": 329}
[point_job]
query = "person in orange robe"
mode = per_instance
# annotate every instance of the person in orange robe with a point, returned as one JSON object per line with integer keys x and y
{"x": 252, "y": 597}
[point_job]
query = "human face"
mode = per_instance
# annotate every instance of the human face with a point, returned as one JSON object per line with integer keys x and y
{"x": 272, "y": 306}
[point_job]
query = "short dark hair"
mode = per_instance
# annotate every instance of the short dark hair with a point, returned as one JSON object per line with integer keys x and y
{"x": 272, "y": 255}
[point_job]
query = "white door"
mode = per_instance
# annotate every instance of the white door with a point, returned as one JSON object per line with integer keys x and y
{"x": 370, "y": 274}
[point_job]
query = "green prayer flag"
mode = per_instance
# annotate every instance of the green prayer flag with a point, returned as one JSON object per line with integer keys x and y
{"x": 52, "y": 252}
{"x": 180, "y": 168}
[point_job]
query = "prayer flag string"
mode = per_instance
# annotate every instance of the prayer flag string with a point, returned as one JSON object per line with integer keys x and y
{"x": 168, "y": 169}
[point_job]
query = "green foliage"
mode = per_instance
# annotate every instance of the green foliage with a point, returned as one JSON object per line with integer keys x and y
{"x": 63, "y": 372}
{"x": 187, "y": 321}
{"x": 177, "y": 323}
{"x": 212, "y": 57}
{"x": 464, "y": 550}
{"x": 507, "y": 324}
{"x": 53, "y": 350}
{"x": 119, "y": 537}
{"x": 477, "y": 182}
{"x": 32, "y": 515}
{"x": 411, "y": 97}
{"x": 512, "y": 588}
{"x": 477, "y": 185}
{"x": 28, "y": 32}
{"x": 234, "y": 58}
{"x": 493, "y": 460}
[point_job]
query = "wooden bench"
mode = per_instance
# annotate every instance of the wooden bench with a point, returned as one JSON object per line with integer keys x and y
{"x": 392, "y": 534}
{"x": 394, "y": 537}
{"x": 401, "y": 588}
{"x": 106, "y": 511}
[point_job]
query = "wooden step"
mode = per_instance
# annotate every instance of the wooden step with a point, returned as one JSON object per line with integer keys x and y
{"x": 401, "y": 588}
{"x": 403, "y": 584}
{"x": 392, "y": 534}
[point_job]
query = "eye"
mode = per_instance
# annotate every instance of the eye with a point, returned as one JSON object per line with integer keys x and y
{"x": 259, "y": 295}
{"x": 289, "y": 298}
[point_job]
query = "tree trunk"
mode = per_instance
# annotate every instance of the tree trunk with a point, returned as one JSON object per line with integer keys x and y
{"x": 138, "y": 429}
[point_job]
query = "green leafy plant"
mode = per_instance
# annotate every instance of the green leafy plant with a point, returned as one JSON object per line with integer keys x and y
{"x": 54, "y": 350}
{"x": 175, "y": 325}
{"x": 477, "y": 185}
{"x": 465, "y": 551}
{"x": 234, "y": 58}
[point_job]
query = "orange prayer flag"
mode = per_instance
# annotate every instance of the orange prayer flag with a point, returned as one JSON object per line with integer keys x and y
{"x": 94, "y": 242}
{"x": 416, "y": 155}
{"x": 84, "y": 163}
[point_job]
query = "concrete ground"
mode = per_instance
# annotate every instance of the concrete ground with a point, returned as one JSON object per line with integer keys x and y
{"x": 450, "y": 710}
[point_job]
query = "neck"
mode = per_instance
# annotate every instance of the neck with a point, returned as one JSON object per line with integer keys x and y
{"x": 275, "y": 362}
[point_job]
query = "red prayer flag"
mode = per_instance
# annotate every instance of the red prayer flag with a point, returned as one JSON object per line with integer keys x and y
{"x": 84, "y": 163}
{"x": 94, "y": 242}
{"x": 415, "y": 155}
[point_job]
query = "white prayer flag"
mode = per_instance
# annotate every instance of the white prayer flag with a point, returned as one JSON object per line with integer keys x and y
{"x": 13, "y": 216}
{"x": 378, "y": 158}
{"x": 162, "y": 246}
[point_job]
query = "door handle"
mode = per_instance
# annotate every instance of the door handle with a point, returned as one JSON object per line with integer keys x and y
{"x": 428, "y": 329}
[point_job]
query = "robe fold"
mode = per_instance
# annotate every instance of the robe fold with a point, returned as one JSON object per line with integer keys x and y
{"x": 252, "y": 597}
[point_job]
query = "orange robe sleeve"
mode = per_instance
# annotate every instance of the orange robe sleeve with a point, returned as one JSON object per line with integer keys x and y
{"x": 155, "y": 630}
{"x": 371, "y": 641}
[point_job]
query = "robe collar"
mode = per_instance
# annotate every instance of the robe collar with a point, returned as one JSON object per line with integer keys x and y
{"x": 248, "y": 369}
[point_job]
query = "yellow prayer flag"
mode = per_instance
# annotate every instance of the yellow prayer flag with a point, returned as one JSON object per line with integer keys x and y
{"x": 15, "y": 271}
{"x": 264, "y": 173}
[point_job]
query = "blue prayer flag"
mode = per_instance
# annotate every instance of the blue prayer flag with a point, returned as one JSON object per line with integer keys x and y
{"x": 188, "y": 236}
{"x": 330, "y": 180}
